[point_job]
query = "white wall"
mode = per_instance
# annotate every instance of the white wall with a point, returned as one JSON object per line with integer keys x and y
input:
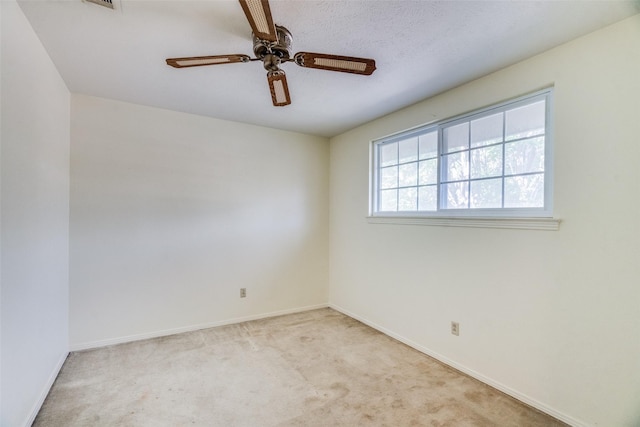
{"x": 171, "y": 214}
{"x": 34, "y": 219}
{"x": 550, "y": 316}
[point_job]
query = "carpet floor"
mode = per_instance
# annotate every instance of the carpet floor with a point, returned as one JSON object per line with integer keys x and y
{"x": 317, "y": 368}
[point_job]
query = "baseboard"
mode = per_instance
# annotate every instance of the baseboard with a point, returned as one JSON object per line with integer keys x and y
{"x": 495, "y": 384}
{"x": 162, "y": 333}
{"x": 45, "y": 390}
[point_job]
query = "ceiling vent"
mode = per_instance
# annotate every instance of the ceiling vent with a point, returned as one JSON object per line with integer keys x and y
{"x": 105, "y": 3}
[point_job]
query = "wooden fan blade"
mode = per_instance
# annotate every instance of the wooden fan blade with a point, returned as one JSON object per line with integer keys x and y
{"x": 197, "y": 61}
{"x": 345, "y": 64}
{"x": 279, "y": 88}
{"x": 259, "y": 16}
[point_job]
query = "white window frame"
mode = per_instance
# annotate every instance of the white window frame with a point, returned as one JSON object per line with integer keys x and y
{"x": 536, "y": 218}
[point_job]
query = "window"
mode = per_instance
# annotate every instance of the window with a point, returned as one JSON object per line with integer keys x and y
{"x": 492, "y": 162}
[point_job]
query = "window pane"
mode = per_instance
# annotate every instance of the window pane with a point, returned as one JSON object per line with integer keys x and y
{"x": 456, "y": 138}
{"x": 487, "y": 130}
{"x": 456, "y": 195}
{"x": 524, "y": 191}
{"x": 389, "y": 177}
{"x": 428, "y": 198}
{"x": 525, "y": 121}
{"x": 389, "y": 200}
{"x": 486, "y": 193}
{"x": 486, "y": 162}
{"x": 428, "y": 172}
{"x": 428, "y": 145}
{"x": 408, "y": 175}
{"x": 408, "y": 150}
{"x": 481, "y": 162}
{"x": 389, "y": 154}
{"x": 408, "y": 199}
{"x": 455, "y": 167}
{"x": 524, "y": 156}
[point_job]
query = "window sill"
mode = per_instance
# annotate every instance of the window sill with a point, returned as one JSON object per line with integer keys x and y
{"x": 548, "y": 224}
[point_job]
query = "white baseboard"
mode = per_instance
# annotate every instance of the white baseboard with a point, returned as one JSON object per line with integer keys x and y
{"x": 45, "y": 391}
{"x": 137, "y": 337}
{"x": 495, "y": 384}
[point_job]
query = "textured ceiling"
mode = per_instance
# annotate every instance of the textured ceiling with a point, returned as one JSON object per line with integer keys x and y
{"x": 421, "y": 48}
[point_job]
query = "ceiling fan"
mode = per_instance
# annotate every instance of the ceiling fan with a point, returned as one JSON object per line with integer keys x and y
{"x": 272, "y": 46}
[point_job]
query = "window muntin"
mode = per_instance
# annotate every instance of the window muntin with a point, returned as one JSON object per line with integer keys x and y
{"x": 493, "y": 162}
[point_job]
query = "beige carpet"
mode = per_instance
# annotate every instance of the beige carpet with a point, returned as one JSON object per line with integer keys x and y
{"x": 318, "y": 368}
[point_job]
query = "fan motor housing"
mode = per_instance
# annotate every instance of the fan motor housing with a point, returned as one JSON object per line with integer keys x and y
{"x": 281, "y": 48}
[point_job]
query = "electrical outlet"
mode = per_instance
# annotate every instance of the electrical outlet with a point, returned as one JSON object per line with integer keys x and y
{"x": 243, "y": 292}
{"x": 455, "y": 328}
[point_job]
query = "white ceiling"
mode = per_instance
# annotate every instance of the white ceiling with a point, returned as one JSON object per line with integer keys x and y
{"x": 421, "y": 48}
